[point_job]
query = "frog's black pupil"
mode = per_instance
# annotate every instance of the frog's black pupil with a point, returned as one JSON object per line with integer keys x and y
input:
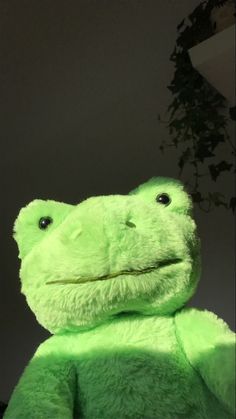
{"x": 44, "y": 222}
{"x": 163, "y": 199}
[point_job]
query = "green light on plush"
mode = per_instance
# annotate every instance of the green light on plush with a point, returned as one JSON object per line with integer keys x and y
{"x": 109, "y": 278}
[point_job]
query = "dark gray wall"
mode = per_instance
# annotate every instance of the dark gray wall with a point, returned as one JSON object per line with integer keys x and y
{"x": 81, "y": 85}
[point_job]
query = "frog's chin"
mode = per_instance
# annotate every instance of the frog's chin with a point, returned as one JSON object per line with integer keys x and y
{"x": 135, "y": 272}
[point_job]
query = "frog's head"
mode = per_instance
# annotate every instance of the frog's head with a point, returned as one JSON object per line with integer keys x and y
{"x": 84, "y": 264}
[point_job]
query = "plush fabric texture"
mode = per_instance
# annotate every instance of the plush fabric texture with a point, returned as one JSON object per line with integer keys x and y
{"x": 109, "y": 278}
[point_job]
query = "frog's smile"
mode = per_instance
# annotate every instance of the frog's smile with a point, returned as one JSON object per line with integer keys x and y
{"x": 135, "y": 272}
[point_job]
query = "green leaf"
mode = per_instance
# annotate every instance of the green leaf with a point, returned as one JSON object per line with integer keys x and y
{"x": 218, "y": 199}
{"x": 186, "y": 156}
{"x": 180, "y": 25}
{"x": 216, "y": 169}
{"x": 197, "y": 197}
{"x": 232, "y": 203}
{"x": 203, "y": 152}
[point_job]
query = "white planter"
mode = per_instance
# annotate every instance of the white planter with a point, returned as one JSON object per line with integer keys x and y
{"x": 215, "y": 60}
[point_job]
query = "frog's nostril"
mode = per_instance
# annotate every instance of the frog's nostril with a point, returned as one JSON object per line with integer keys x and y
{"x": 130, "y": 224}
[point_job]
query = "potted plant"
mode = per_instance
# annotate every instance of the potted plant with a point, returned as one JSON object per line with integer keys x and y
{"x": 198, "y": 115}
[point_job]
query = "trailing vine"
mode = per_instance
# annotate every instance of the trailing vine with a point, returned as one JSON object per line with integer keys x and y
{"x": 198, "y": 114}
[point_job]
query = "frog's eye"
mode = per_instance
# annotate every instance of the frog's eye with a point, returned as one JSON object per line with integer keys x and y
{"x": 163, "y": 198}
{"x": 44, "y": 222}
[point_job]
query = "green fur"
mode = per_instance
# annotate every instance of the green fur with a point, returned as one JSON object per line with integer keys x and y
{"x": 109, "y": 278}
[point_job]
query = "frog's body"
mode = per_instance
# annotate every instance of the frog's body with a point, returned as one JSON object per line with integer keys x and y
{"x": 110, "y": 281}
{"x": 139, "y": 364}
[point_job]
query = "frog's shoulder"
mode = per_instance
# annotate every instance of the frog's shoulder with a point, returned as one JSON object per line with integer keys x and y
{"x": 194, "y": 319}
{"x": 57, "y": 344}
{"x": 200, "y": 329}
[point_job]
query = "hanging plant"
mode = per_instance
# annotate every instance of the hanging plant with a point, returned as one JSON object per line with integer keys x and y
{"x": 198, "y": 118}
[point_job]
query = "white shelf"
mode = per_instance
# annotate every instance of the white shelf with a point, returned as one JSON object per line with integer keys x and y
{"x": 215, "y": 60}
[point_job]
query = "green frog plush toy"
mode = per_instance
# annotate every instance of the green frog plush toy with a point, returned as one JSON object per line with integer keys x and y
{"x": 109, "y": 278}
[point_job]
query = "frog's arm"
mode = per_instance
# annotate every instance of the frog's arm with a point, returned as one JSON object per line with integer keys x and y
{"x": 46, "y": 388}
{"x": 209, "y": 345}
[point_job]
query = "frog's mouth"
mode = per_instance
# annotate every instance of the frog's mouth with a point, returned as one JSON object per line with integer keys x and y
{"x": 135, "y": 272}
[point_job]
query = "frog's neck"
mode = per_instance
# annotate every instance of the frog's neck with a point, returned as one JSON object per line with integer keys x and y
{"x": 119, "y": 318}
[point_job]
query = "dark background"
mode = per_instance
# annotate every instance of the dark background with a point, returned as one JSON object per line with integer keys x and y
{"x": 81, "y": 85}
